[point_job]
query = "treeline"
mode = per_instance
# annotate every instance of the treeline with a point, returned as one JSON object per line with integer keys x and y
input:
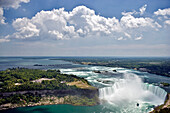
{"x": 20, "y": 99}
{"x": 24, "y": 77}
{"x": 160, "y": 66}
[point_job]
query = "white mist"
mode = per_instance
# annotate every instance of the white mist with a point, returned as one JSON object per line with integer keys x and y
{"x": 132, "y": 93}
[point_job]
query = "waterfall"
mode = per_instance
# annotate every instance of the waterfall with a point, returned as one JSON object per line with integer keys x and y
{"x": 161, "y": 93}
{"x": 131, "y": 88}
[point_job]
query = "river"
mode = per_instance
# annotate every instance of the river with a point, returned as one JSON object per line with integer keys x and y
{"x": 120, "y": 91}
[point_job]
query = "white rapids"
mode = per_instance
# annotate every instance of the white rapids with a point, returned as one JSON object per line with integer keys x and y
{"x": 124, "y": 92}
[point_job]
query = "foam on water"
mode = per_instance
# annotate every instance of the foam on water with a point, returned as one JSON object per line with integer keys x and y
{"x": 130, "y": 91}
{"x": 121, "y": 94}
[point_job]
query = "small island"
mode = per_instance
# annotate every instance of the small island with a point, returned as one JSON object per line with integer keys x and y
{"x": 20, "y": 87}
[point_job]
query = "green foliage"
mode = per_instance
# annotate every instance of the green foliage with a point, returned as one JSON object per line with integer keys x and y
{"x": 20, "y": 99}
{"x": 165, "y": 84}
{"x": 9, "y": 77}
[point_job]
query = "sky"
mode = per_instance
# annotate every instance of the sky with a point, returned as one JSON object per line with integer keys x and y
{"x": 85, "y": 28}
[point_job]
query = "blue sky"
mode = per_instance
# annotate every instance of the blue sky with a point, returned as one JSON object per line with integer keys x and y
{"x": 84, "y": 28}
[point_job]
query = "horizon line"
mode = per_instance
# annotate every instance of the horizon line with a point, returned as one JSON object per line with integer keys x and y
{"x": 85, "y": 56}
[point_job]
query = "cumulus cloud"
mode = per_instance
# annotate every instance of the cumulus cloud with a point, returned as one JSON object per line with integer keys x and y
{"x": 24, "y": 28}
{"x": 164, "y": 15}
{"x": 134, "y": 21}
{"x": 59, "y": 24}
{"x": 5, "y": 4}
{"x": 130, "y": 21}
{"x": 80, "y": 22}
{"x": 163, "y": 12}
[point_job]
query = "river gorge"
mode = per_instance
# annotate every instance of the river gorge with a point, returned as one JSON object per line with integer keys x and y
{"x": 123, "y": 90}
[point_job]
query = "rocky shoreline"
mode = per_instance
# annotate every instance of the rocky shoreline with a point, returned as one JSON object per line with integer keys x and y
{"x": 51, "y": 100}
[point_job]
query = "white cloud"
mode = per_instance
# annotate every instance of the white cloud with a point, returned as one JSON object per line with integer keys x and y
{"x": 80, "y": 22}
{"x": 25, "y": 28}
{"x": 133, "y": 26}
{"x": 138, "y": 38}
{"x": 130, "y": 21}
{"x": 128, "y": 35}
{"x": 59, "y": 24}
{"x": 164, "y": 15}
{"x": 4, "y": 40}
{"x": 163, "y": 12}
{"x": 12, "y": 3}
{"x": 2, "y": 19}
{"x": 56, "y": 34}
{"x": 120, "y": 38}
{"x": 143, "y": 9}
{"x": 167, "y": 22}
{"x": 129, "y": 13}
{"x": 88, "y": 23}
{"x": 5, "y": 4}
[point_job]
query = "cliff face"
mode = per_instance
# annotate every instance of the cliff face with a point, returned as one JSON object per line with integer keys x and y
{"x": 79, "y": 92}
{"x": 82, "y": 97}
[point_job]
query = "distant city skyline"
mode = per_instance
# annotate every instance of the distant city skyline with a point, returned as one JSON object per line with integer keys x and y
{"x": 85, "y": 28}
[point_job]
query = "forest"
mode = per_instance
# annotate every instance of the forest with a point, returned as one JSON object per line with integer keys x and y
{"x": 20, "y": 79}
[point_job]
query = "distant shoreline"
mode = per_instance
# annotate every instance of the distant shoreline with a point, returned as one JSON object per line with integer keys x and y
{"x": 139, "y": 68}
